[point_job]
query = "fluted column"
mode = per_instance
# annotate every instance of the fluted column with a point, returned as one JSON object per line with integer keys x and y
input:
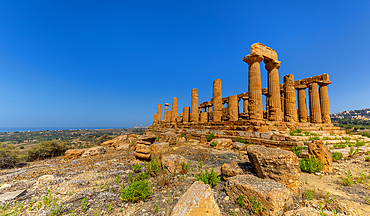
{"x": 186, "y": 114}
{"x": 245, "y": 105}
{"x": 314, "y": 99}
{"x": 217, "y": 100}
{"x": 194, "y": 113}
{"x": 233, "y": 108}
{"x": 155, "y": 118}
{"x": 290, "y": 99}
{"x": 174, "y": 112}
{"x": 166, "y": 112}
{"x": 324, "y": 102}
{"x": 159, "y": 112}
{"x": 302, "y": 107}
{"x": 254, "y": 86}
{"x": 274, "y": 102}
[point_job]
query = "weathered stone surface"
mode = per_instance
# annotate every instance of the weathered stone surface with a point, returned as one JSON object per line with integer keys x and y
{"x": 194, "y": 114}
{"x": 239, "y": 146}
{"x": 186, "y": 114}
{"x": 233, "y": 108}
{"x": 314, "y": 103}
{"x": 46, "y": 178}
{"x": 166, "y": 116}
{"x": 309, "y": 211}
{"x": 223, "y": 143}
{"x": 276, "y": 164}
{"x": 144, "y": 149}
{"x": 94, "y": 151}
{"x": 302, "y": 107}
{"x": 217, "y": 100}
{"x": 158, "y": 115}
{"x": 120, "y": 140}
{"x": 169, "y": 137}
{"x": 173, "y": 162}
{"x": 160, "y": 148}
{"x": 73, "y": 153}
{"x": 203, "y": 139}
{"x": 142, "y": 156}
{"x": 108, "y": 143}
{"x": 123, "y": 147}
{"x": 204, "y": 117}
{"x": 266, "y": 135}
{"x": 316, "y": 149}
{"x": 324, "y": 102}
{"x": 231, "y": 170}
{"x": 174, "y": 112}
{"x": 255, "y": 108}
{"x": 290, "y": 112}
{"x": 272, "y": 195}
{"x": 264, "y": 50}
{"x": 274, "y": 103}
{"x": 198, "y": 200}
{"x": 12, "y": 195}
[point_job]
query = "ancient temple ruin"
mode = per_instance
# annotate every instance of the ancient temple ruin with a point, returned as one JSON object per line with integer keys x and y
{"x": 253, "y": 123}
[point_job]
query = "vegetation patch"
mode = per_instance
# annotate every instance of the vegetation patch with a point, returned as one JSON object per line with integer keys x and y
{"x": 311, "y": 165}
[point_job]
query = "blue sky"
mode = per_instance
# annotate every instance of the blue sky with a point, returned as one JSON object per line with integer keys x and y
{"x": 108, "y": 63}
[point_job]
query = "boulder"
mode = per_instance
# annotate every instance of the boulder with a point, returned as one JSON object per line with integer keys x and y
{"x": 173, "y": 162}
{"x": 198, "y": 200}
{"x": 223, "y": 143}
{"x": 239, "y": 146}
{"x": 203, "y": 139}
{"x": 230, "y": 170}
{"x": 160, "y": 147}
{"x": 276, "y": 164}
{"x": 108, "y": 143}
{"x": 272, "y": 195}
{"x": 123, "y": 147}
{"x": 73, "y": 153}
{"x": 94, "y": 151}
{"x": 144, "y": 149}
{"x": 316, "y": 149}
{"x": 188, "y": 137}
{"x": 142, "y": 156}
{"x": 169, "y": 137}
{"x": 120, "y": 140}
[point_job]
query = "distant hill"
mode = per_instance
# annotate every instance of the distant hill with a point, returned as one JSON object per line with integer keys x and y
{"x": 352, "y": 120}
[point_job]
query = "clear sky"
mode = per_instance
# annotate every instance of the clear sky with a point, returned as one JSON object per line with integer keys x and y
{"x": 109, "y": 63}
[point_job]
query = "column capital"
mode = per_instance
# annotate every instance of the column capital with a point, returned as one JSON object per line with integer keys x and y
{"x": 166, "y": 104}
{"x": 271, "y": 64}
{"x": 252, "y": 58}
{"x": 300, "y": 87}
{"x": 324, "y": 83}
{"x": 245, "y": 98}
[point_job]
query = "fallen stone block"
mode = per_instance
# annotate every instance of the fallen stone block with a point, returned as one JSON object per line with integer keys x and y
{"x": 317, "y": 149}
{"x": 73, "y": 153}
{"x": 238, "y": 145}
{"x": 160, "y": 148}
{"x": 223, "y": 143}
{"x": 12, "y": 195}
{"x": 231, "y": 170}
{"x": 94, "y": 151}
{"x": 173, "y": 162}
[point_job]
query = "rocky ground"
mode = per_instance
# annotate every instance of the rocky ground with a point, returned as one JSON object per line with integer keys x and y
{"x": 91, "y": 185}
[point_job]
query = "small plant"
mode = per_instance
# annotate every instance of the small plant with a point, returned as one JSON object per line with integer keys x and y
{"x": 241, "y": 200}
{"x": 308, "y": 194}
{"x": 183, "y": 135}
{"x": 200, "y": 163}
{"x": 311, "y": 165}
{"x": 213, "y": 144}
{"x": 321, "y": 209}
{"x": 367, "y": 198}
{"x": 336, "y": 156}
{"x": 101, "y": 185}
{"x": 209, "y": 178}
{"x": 314, "y": 138}
{"x": 137, "y": 190}
{"x": 367, "y": 158}
{"x": 358, "y": 143}
{"x": 347, "y": 180}
{"x": 106, "y": 185}
{"x": 210, "y": 137}
{"x": 239, "y": 155}
{"x": 157, "y": 139}
{"x": 339, "y": 145}
{"x": 84, "y": 205}
{"x": 367, "y": 152}
{"x": 156, "y": 206}
{"x": 156, "y": 169}
{"x": 239, "y": 139}
{"x": 256, "y": 206}
{"x": 97, "y": 209}
{"x": 185, "y": 167}
{"x": 70, "y": 193}
{"x": 362, "y": 178}
{"x": 117, "y": 179}
{"x": 137, "y": 168}
{"x": 306, "y": 133}
{"x": 109, "y": 208}
{"x": 297, "y": 150}
{"x": 353, "y": 152}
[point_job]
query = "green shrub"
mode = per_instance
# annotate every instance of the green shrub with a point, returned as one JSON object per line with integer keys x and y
{"x": 239, "y": 139}
{"x": 306, "y": 133}
{"x": 185, "y": 167}
{"x": 336, "y": 156}
{"x": 9, "y": 156}
{"x": 209, "y": 178}
{"x": 311, "y": 165}
{"x": 47, "y": 149}
{"x": 347, "y": 179}
{"x": 183, "y": 135}
{"x": 137, "y": 167}
{"x": 138, "y": 189}
{"x": 241, "y": 200}
{"x": 314, "y": 138}
{"x": 157, "y": 139}
{"x": 213, "y": 144}
{"x": 352, "y": 151}
{"x": 308, "y": 194}
{"x": 367, "y": 158}
{"x": 358, "y": 143}
{"x": 210, "y": 137}
{"x": 339, "y": 145}
{"x": 156, "y": 169}
{"x": 297, "y": 150}
{"x": 84, "y": 205}
{"x": 256, "y": 206}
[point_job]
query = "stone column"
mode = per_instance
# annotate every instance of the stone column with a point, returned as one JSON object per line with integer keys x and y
{"x": 324, "y": 102}
{"x": 166, "y": 117}
{"x": 245, "y": 105}
{"x": 204, "y": 117}
{"x": 174, "y": 112}
{"x": 155, "y": 119}
{"x": 254, "y": 86}
{"x": 290, "y": 99}
{"x": 169, "y": 114}
{"x": 274, "y": 102}
{"x": 233, "y": 108}
{"x": 314, "y": 103}
{"x": 159, "y": 112}
{"x": 194, "y": 113}
{"x": 302, "y": 107}
{"x": 186, "y": 114}
{"x": 217, "y": 100}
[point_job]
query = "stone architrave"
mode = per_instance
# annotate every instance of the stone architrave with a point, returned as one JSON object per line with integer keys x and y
{"x": 217, "y": 100}
{"x": 245, "y": 105}
{"x": 314, "y": 103}
{"x": 159, "y": 112}
{"x": 255, "y": 108}
{"x": 174, "y": 112}
{"x": 194, "y": 114}
{"x": 233, "y": 108}
{"x": 324, "y": 102}
{"x": 302, "y": 107}
{"x": 290, "y": 114}
{"x": 274, "y": 102}
{"x": 204, "y": 117}
{"x": 186, "y": 114}
{"x": 166, "y": 112}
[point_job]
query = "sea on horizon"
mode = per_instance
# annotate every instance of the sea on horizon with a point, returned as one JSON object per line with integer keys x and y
{"x": 15, "y": 129}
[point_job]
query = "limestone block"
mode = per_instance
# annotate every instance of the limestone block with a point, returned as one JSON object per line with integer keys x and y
{"x": 204, "y": 117}
{"x": 123, "y": 147}
{"x": 238, "y": 145}
{"x": 266, "y": 135}
{"x": 144, "y": 149}
{"x": 272, "y": 195}
{"x": 223, "y": 143}
{"x": 46, "y": 178}
{"x": 94, "y": 151}
{"x": 231, "y": 170}
{"x": 203, "y": 139}
{"x": 316, "y": 149}
{"x": 108, "y": 143}
{"x": 160, "y": 147}
{"x": 173, "y": 162}
{"x": 73, "y": 153}
{"x": 198, "y": 200}
{"x": 276, "y": 164}
{"x": 142, "y": 156}
{"x": 264, "y": 50}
